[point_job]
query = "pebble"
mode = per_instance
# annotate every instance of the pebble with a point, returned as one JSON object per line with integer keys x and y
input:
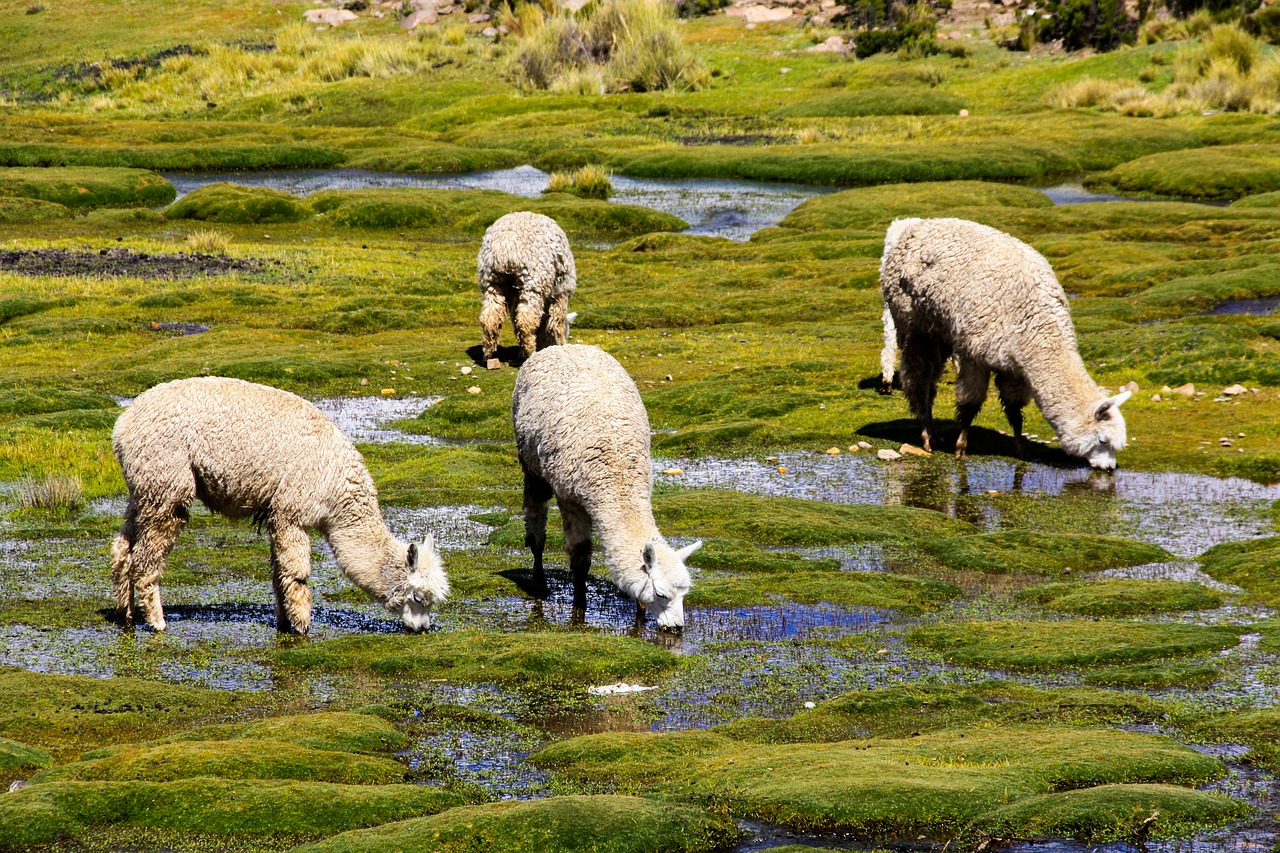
{"x": 888, "y": 455}
{"x": 964, "y": 114}
{"x": 912, "y": 450}
{"x": 833, "y": 451}
{"x": 810, "y": 704}
{"x": 669, "y": 378}
{"x": 492, "y": 364}
{"x": 18, "y": 785}
{"x": 364, "y": 381}
{"x": 782, "y": 469}
{"x": 1156, "y": 398}
{"x": 474, "y": 389}
{"x": 1130, "y": 386}
{"x": 466, "y": 370}
{"x": 388, "y": 392}
{"x": 1187, "y": 390}
{"x": 853, "y": 448}
{"x": 865, "y": 445}
{"x": 1233, "y": 390}
{"x": 673, "y": 472}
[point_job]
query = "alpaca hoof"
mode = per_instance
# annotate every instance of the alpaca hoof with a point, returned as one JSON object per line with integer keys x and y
{"x": 885, "y": 388}
{"x": 492, "y": 364}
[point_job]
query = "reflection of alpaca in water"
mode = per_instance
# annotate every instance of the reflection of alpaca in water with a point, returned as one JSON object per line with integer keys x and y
{"x": 246, "y": 450}
{"x": 957, "y": 287}
{"x": 582, "y": 434}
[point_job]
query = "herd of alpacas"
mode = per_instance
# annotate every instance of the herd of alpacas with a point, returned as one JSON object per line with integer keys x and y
{"x": 952, "y": 289}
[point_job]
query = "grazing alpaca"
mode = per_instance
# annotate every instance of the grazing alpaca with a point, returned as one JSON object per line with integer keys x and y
{"x": 249, "y": 451}
{"x": 957, "y": 287}
{"x": 583, "y": 436}
{"x": 525, "y": 269}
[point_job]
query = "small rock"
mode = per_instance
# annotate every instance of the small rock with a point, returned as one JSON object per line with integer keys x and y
{"x": 1222, "y": 399}
{"x": 853, "y": 448}
{"x": 964, "y": 114}
{"x": 465, "y": 370}
{"x": 1239, "y": 435}
{"x": 492, "y": 364}
{"x": 1233, "y": 390}
{"x": 329, "y": 17}
{"x": 810, "y": 704}
{"x": 364, "y": 381}
{"x": 912, "y": 450}
{"x": 422, "y": 16}
{"x": 993, "y": 491}
{"x": 474, "y": 389}
{"x": 865, "y": 445}
{"x": 1131, "y": 387}
{"x": 835, "y": 44}
{"x": 669, "y": 378}
{"x": 782, "y": 469}
{"x": 833, "y": 451}
{"x": 388, "y": 392}
{"x": 18, "y": 785}
{"x": 1156, "y": 398}
{"x": 489, "y": 32}
{"x": 888, "y": 455}
{"x": 756, "y": 14}
{"x": 1166, "y": 390}
{"x": 479, "y": 18}
{"x": 673, "y": 472}
{"x": 1187, "y": 390}
{"x": 882, "y": 651}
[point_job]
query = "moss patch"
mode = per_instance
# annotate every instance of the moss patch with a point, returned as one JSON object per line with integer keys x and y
{"x": 599, "y": 824}
{"x": 1253, "y": 564}
{"x": 1154, "y": 676}
{"x": 1041, "y": 645}
{"x": 233, "y": 204}
{"x": 16, "y": 756}
{"x": 866, "y": 589}
{"x": 478, "y": 657}
{"x": 1114, "y": 813}
{"x": 739, "y": 555}
{"x": 875, "y": 102}
{"x": 1221, "y": 172}
{"x": 1043, "y": 553}
{"x": 88, "y": 187}
{"x": 229, "y": 759}
{"x": 40, "y": 814}
{"x": 1123, "y": 597}
{"x": 934, "y": 785}
{"x": 15, "y": 211}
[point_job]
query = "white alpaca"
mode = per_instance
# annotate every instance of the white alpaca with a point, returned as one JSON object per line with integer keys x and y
{"x": 525, "y": 269}
{"x": 583, "y": 436}
{"x": 957, "y": 287}
{"x": 246, "y": 450}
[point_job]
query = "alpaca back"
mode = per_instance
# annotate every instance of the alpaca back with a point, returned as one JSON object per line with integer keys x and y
{"x": 531, "y": 248}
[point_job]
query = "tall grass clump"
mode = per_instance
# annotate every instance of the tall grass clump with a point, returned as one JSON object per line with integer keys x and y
{"x": 587, "y": 182}
{"x": 611, "y": 45}
{"x": 55, "y": 493}
{"x": 208, "y": 240}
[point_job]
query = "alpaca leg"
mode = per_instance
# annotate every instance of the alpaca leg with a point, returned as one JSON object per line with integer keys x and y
{"x": 1015, "y": 393}
{"x": 888, "y": 355}
{"x": 923, "y": 358}
{"x": 537, "y": 492}
{"x": 122, "y": 564}
{"x": 156, "y": 534}
{"x": 491, "y": 313}
{"x": 528, "y": 321}
{"x": 577, "y": 542}
{"x": 555, "y": 332}
{"x": 972, "y": 380}
{"x": 290, "y": 570}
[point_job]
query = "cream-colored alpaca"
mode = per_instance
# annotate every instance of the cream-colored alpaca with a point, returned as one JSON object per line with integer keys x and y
{"x": 249, "y": 451}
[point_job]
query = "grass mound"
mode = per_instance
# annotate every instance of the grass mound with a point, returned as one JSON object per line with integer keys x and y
{"x": 1123, "y": 597}
{"x": 1114, "y": 813}
{"x": 876, "y": 207}
{"x": 739, "y": 555}
{"x": 229, "y": 759}
{"x": 863, "y": 589}
{"x": 40, "y": 814}
{"x": 791, "y": 521}
{"x": 1253, "y": 564}
{"x": 478, "y": 657}
{"x": 932, "y": 786}
{"x": 40, "y": 401}
{"x": 18, "y": 211}
{"x": 874, "y": 102}
{"x": 590, "y": 824}
{"x": 1154, "y": 676}
{"x": 1222, "y": 172}
{"x": 1044, "y": 645}
{"x": 1043, "y": 553}
{"x": 16, "y": 756}
{"x": 86, "y": 187}
{"x": 236, "y": 205}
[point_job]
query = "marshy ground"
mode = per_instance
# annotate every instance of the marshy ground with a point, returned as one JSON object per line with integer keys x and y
{"x": 918, "y": 652}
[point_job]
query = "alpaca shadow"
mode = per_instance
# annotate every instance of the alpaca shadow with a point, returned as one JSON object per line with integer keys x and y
{"x": 533, "y": 586}
{"x": 509, "y": 356}
{"x": 982, "y": 441}
{"x": 265, "y": 614}
{"x": 872, "y": 383}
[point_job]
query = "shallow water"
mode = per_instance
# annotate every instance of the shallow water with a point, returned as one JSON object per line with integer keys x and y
{"x": 1256, "y": 307}
{"x": 715, "y": 208}
{"x": 363, "y": 419}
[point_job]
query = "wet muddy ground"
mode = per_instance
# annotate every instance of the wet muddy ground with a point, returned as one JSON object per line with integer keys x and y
{"x": 743, "y": 661}
{"x": 124, "y": 262}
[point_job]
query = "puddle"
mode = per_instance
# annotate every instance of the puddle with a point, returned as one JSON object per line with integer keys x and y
{"x": 717, "y": 208}
{"x": 1256, "y": 307}
{"x": 1077, "y": 194}
{"x": 362, "y": 418}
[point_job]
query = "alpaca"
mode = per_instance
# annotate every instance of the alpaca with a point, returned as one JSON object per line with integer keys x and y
{"x": 525, "y": 269}
{"x": 250, "y": 451}
{"x": 582, "y": 434}
{"x": 957, "y": 287}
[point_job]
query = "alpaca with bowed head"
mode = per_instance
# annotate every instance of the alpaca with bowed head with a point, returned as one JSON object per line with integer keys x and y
{"x": 250, "y": 451}
{"x": 526, "y": 270}
{"x": 953, "y": 287}
{"x": 582, "y": 434}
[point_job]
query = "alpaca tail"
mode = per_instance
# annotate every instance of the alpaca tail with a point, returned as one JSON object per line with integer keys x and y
{"x": 122, "y": 577}
{"x": 888, "y": 355}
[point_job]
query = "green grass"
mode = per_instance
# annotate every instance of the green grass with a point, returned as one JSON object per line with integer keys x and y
{"x": 88, "y": 187}
{"x": 600, "y": 824}
{"x": 30, "y": 210}
{"x": 229, "y": 203}
{"x": 1227, "y": 172}
{"x": 1123, "y": 597}
{"x": 1045, "y": 645}
{"x": 1155, "y": 676}
{"x": 1043, "y": 553}
{"x": 874, "y": 102}
{"x": 866, "y": 589}
{"x": 1251, "y": 564}
{"x": 15, "y": 756}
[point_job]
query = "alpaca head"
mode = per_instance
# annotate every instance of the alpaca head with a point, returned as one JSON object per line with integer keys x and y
{"x": 1102, "y": 433}
{"x": 422, "y": 586}
{"x": 666, "y": 580}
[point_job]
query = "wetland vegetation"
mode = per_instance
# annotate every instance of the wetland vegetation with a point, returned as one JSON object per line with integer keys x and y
{"x": 877, "y": 652}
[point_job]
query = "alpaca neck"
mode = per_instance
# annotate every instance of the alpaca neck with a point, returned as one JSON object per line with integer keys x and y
{"x": 1065, "y": 392}
{"x": 623, "y": 544}
{"x": 364, "y": 552}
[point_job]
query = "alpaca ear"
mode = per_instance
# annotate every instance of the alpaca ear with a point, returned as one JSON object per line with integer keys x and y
{"x": 687, "y": 552}
{"x": 1104, "y": 410}
{"x": 413, "y": 556}
{"x": 649, "y": 557}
